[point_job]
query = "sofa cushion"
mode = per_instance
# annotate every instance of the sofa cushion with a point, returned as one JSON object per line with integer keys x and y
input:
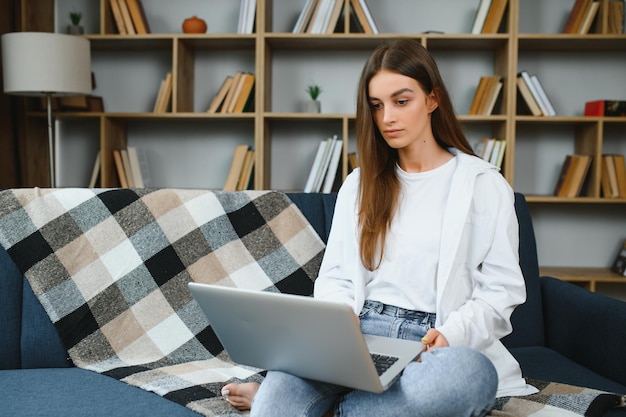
{"x": 41, "y": 345}
{"x": 75, "y": 392}
{"x": 546, "y": 364}
{"x": 318, "y": 209}
{"x": 527, "y": 319}
{"x": 10, "y": 312}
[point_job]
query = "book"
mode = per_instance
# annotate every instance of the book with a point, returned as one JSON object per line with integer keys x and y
{"x": 333, "y": 166}
{"x": 138, "y": 15}
{"x": 575, "y": 17}
{"x": 588, "y": 17}
{"x": 612, "y": 108}
{"x": 117, "y": 17}
{"x": 620, "y": 173}
{"x": 317, "y": 160}
{"x": 247, "y": 13}
{"x": 128, "y": 21}
{"x": 615, "y": 18}
{"x": 95, "y": 172}
{"x": 119, "y": 167}
{"x": 572, "y": 176}
{"x": 494, "y": 16}
{"x": 368, "y": 16}
{"x": 305, "y": 16}
{"x": 543, "y": 96}
{"x": 127, "y": 169}
{"x": 361, "y": 17}
{"x": 528, "y": 97}
{"x": 245, "y": 97}
{"x": 334, "y": 17}
{"x": 484, "y": 147}
{"x": 608, "y": 177}
{"x": 246, "y": 171}
{"x": 165, "y": 93}
{"x": 231, "y": 92}
{"x": 135, "y": 167}
{"x": 353, "y": 160}
{"x": 479, "y": 95}
{"x": 217, "y": 101}
{"x": 315, "y": 23}
{"x": 619, "y": 264}
{"x": 236, "y": 166}
{"x": 534, "y": 91}
{"x": 480, "y": 16}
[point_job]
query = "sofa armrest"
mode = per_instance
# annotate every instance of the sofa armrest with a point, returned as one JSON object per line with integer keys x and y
{"x": 589, "y": 328}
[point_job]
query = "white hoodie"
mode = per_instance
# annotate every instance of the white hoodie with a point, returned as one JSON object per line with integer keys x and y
{"x": 479, "y": 281}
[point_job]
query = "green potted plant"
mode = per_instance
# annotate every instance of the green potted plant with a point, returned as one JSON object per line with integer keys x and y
{"x": 75, "y": 28}
{"x": 313, "y": 105}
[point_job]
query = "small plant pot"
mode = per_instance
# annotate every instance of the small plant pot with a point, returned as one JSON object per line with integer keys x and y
{"x": 313, "y": 106}
{"x": 75, "y": 29}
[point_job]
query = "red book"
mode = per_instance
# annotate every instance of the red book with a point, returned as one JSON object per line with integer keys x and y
{"x": 605, "y": 108}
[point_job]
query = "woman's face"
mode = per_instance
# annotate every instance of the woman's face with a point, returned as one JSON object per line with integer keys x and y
{"x": 401, "y": 109}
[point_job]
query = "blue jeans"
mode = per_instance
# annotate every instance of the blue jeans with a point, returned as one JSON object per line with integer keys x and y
{"x": 452, "y": 381}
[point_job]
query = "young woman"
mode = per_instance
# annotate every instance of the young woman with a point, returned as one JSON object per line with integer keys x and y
{"x": 423, "y": 245}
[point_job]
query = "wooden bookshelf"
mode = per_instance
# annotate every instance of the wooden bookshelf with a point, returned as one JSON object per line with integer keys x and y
{"x": 284, "y": 138}
{"x": 586, "y": 277}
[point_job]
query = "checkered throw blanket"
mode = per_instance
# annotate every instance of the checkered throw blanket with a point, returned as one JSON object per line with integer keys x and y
{"x": 557, "y": 400}
{"x": 111, "y": 267}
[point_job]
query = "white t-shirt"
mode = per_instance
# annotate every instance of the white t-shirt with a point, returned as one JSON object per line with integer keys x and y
{"x": 407, "y": 276}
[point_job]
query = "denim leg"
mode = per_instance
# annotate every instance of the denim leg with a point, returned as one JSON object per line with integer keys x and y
{"x": 452, "y": 381}
{"x": 285, "y": 395}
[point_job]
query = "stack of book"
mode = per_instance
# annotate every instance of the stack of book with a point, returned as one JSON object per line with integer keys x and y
{"x": 488, "y": 17}
{"x": 486, "y": 95}
{"x": 240, "y": 172}
{"x": 572, "y": 176}
{"x": 581, "y": 16}
{"x": 613, "y": 176}
{"x": 236, "y": 94}
{"x": 534, "y": 95}
{"x": 322, "y": 16}
{"x": 325, "y": 166}
{"x": 131, "y": 166}
{"x": 491, "y": 150}
{"x": 129, "y": 17}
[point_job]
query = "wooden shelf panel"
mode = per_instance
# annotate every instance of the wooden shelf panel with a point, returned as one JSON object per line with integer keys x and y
{"x": 565, "y": 42}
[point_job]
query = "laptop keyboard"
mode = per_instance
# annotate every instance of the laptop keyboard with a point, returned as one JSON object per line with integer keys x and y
{"x": 382, "y": 362}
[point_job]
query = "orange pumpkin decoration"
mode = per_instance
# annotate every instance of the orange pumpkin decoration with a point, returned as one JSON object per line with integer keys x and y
{"x": 194, "y": 25}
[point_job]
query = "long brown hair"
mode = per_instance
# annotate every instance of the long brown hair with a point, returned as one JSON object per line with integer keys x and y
{"x": 379, "y": 184}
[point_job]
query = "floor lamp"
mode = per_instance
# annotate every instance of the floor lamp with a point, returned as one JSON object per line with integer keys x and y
{"x": 46, "y": 64}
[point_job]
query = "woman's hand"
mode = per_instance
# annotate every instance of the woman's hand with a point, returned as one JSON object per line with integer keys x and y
{"x": 434, "y": 339}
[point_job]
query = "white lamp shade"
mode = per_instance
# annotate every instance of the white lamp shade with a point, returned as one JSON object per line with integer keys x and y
{"x": 39, "y": 63}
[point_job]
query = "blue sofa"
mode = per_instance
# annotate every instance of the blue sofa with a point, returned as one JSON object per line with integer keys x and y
{"x": 563, "y": 333}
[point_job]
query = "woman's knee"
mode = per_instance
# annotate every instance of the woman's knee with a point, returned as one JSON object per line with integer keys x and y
{"x": 452, "y": 376}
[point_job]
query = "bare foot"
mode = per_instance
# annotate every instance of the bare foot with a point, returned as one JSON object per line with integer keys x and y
{"x": 240, "y": 395}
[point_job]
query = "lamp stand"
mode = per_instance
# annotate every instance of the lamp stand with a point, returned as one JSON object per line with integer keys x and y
{"x": 51, "y": 142}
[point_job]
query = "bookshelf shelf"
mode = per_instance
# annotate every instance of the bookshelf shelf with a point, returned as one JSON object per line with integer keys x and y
{"x": 588, "y": 278}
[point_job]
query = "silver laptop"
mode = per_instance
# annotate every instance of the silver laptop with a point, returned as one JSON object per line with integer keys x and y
{"x": 303, "y": 336}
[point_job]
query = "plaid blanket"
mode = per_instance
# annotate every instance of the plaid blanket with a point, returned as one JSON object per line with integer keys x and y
{"x": 111, "y": 267}
{"x": 557, "y": 400}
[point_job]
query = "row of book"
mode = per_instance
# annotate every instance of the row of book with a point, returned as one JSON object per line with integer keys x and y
{"x": 486, "y": 95}
{"x": 575, "y": 169}
{"x": 129, "y": 17}
{"x": 131, "y": 165}
{"x": 491, "y": 150}
{"x": 581, "y": 16}
{"x": 241, "y": 168}
{"x": 323, "y": 172}
{"x": 235, "y": 95}
{"x": 322, "y": 16}
{"x": 488, "y": 17}
{"x": 534, "y": 95}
